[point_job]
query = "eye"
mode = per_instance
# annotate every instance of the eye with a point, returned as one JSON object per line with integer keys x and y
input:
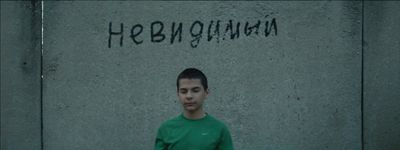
{"x": 182, "y": 91}
{"x": 196, "y": 90}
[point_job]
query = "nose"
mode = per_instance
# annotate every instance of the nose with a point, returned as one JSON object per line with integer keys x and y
{"x": 189, "y": 95}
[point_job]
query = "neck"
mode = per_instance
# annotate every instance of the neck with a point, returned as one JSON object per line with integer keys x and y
{"x": 194, "y": 115}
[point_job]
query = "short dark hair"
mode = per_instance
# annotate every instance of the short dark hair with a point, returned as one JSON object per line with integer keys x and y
{"x": 192, "y": 73}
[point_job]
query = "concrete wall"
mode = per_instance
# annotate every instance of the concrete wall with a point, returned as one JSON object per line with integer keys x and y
{"x": 382, "y": 75}
{"x": 20, "y": 76}
{"x": 294, "y": 84}
{"x": 295, "y": 87}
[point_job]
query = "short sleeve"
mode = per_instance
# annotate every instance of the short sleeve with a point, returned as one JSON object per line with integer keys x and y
{"x": 159, "y": 143}
{"x": 226, "y": 140}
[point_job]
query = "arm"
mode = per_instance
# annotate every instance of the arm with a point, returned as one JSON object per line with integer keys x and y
{"x": 159, "y": 143}
{"x": 225, "y": 141}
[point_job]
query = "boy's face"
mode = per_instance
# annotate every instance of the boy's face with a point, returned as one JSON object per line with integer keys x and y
{"x": 191, "y": 94}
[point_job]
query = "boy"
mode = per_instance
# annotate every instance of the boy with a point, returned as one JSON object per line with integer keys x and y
{"x": 194, "y": 129}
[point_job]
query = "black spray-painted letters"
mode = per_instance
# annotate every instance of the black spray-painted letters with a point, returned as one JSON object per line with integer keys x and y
{"x": 196, "y": 31}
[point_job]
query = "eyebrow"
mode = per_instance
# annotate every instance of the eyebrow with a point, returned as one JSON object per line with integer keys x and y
{"x": 196, "y": 87}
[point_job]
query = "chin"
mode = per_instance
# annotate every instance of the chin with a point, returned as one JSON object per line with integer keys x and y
{"x": 191, "y": 109}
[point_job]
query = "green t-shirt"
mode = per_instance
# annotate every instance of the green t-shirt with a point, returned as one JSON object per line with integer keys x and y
{"x": 181, "y": 133}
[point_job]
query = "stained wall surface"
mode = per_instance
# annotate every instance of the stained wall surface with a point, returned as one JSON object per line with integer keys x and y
{"x": 20, "y": 76}
{"x": 382, "y": 75}
{"x": 290, "y": 77}
{"x": 110, "y": 69}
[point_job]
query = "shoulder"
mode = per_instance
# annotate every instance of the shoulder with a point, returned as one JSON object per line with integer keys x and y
{"x": 217, "y": 123}
{"x": 171, "y": 122}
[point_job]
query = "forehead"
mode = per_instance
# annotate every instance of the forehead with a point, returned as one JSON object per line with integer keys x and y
{"x": 189, "y": 83}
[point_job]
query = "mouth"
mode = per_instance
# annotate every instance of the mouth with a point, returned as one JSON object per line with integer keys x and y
{"x": 189, "y": 104}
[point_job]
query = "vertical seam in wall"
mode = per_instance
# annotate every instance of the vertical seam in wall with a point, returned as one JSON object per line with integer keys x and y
{"x": 362, "y": 75}
{"x": 41, "y": 79}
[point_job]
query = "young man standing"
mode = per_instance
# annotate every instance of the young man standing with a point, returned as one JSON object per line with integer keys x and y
{"x": 194, "y": 129}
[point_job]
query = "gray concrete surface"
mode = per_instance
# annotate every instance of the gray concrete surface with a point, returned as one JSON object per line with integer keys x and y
{"x": 298, "y": 88}
{"x": 20, "y": 76}
{"x": 295, "y": 84}
{"x": 382, "y": 75}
